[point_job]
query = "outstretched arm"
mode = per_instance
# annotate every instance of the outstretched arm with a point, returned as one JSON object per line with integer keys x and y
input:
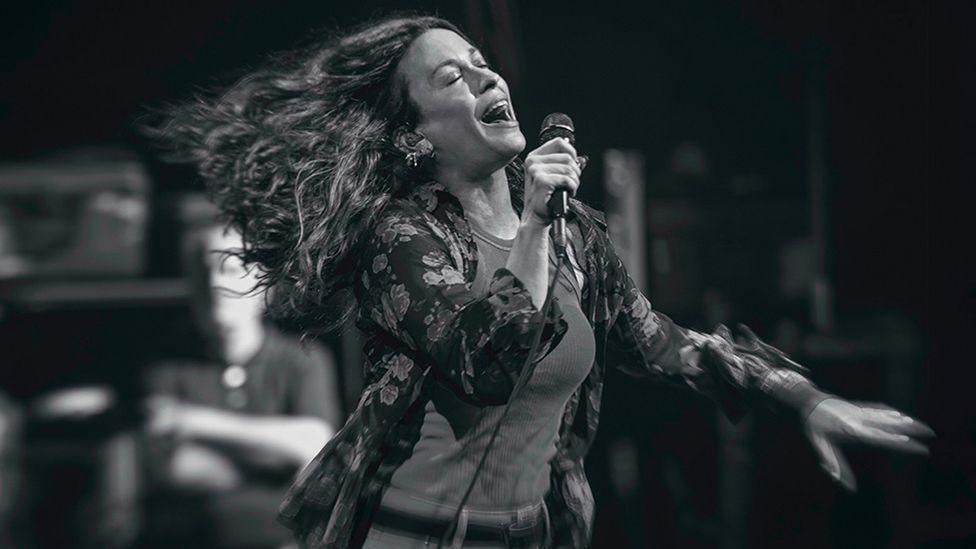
{"x": 736, "y": 372}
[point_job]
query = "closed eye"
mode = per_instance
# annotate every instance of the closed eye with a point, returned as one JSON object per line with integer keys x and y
{"x": 477, "y": 59}
{"x": 449, "y": 75}
{"x": 454, "y": 73}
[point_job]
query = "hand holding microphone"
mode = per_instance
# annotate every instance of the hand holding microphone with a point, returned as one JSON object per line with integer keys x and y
{"x": 552, "y": 174}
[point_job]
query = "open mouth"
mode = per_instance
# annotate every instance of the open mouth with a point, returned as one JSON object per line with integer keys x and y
{"x": 498, "y": 113}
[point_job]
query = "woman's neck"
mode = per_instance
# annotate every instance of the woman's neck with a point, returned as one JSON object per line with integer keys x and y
{"x": 487, "y": 203}
{"x": 240, "y": 345}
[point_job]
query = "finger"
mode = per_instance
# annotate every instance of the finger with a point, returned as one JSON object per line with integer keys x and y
{"x": 878, "y": 407}
{"x": 559, "y": 144}
{"x": 559, "y": 181}
{"x": 559, "y": 158}
{"x": 583, "y": 161}
{"x": 903, "y": 425}
{"x": 833, "y": 461}
{"x": 556, "y": 168}
{"x": 891, "y": 441}
{"x": 540, "y": 170}
{"x": 846, "y": 476}
{"x": 880, "y": 413}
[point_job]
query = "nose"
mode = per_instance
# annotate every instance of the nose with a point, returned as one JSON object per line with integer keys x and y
{"x": 487, "y": 79}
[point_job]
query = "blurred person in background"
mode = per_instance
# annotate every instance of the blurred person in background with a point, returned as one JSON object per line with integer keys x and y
{"x": 228, "y": 433}
{"x": 381, "y": 169}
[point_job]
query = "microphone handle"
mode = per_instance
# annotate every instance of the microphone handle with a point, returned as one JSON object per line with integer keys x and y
{"x": 558, "y": 205}
{"x": 559, "y": 235}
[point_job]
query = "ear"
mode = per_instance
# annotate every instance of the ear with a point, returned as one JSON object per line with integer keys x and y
{"x": 407, "y": 142}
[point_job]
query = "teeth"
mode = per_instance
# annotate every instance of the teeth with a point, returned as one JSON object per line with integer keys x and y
{"x": 497, "y": 108}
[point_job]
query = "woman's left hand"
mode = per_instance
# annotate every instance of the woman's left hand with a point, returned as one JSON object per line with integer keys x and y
{"x": 836, "y": 421}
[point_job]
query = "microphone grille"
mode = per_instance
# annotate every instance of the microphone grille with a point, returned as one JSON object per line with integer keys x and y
{"x": 556, "y": 125}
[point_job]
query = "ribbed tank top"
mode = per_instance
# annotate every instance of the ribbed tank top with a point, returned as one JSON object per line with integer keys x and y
{"x": 454, "y": 434}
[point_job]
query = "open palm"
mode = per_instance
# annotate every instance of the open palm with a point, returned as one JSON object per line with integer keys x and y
{"x": 836, "y": 421}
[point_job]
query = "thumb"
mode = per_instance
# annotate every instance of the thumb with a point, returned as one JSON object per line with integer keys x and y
{"x": 832, "y": 460}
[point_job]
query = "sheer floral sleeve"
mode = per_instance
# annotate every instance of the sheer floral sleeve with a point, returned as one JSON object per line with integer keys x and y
{"x": 733, "y": 373}
{"x": 415, "y": 289}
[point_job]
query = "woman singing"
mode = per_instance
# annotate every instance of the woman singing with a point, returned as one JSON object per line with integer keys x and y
{"x": 381, "y": 170}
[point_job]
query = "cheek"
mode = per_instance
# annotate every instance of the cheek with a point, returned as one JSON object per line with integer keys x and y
{"x": 454, "y": 131}
{"x": 447, "y": 117}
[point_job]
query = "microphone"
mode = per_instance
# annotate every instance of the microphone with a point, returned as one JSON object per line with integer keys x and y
{"x": 556, "y": 125}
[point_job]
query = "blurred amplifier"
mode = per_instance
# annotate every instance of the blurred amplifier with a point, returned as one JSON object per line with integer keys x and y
{"x": 73, "y": 218}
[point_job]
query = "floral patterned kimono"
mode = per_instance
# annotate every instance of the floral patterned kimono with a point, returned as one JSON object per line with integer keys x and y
{"x": 421, "y": 320}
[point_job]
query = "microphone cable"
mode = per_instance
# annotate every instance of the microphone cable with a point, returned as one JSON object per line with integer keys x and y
{"x": 527, "y": 370}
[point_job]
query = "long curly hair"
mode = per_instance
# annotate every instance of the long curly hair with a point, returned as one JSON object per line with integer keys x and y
{"x": 299, "y": 157}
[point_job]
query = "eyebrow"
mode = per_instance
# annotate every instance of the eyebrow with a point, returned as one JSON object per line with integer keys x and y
{"x": 471, "y": 51}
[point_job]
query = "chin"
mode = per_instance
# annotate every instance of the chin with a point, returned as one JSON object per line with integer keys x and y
{"x": 513, "y": 145}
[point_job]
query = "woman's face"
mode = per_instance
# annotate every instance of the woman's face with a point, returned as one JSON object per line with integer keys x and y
{"x": 237, "y": 308}
{"x": 465, "y": 109}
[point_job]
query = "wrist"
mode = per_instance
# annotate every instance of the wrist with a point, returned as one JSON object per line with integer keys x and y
{"x": 532, "y": 226}
{"x": 815, "y": 404}
{"x": 793, "y": 392}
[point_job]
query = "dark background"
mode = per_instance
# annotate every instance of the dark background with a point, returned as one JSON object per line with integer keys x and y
{"x": 896, "y": 79}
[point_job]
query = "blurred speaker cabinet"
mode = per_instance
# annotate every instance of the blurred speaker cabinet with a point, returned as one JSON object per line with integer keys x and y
{"x": 72, "y": 218}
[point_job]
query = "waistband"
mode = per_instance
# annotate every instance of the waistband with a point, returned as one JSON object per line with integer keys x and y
{"x": 396, "y": 499}
{"x": 418, "y": 517}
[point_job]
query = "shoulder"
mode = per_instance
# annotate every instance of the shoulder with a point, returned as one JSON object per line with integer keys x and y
{"x": 426, "y": 218}
{"x": 399, "y": 222}
{"x": 287, "y": 352}
{"x": 279, "y": 344}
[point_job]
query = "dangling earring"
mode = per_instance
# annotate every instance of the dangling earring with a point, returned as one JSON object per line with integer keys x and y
{"x": 416, "y": 148}
{"x": 422, "y": 149}
{"x": 413, "y": 159}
